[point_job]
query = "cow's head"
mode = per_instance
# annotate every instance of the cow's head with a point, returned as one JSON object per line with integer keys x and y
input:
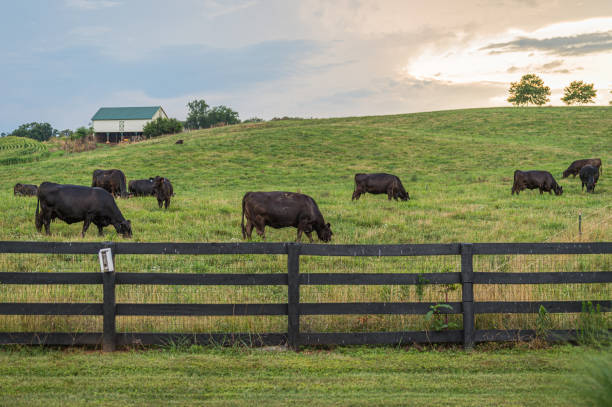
{"x": 125, "y": 228}
{"x": 325, "y": 233}
{"x": 566, "y": 173}
{"x": 558, "y": 190}
{"x": 404, "y": 195}
{"x": 591, "y": 184}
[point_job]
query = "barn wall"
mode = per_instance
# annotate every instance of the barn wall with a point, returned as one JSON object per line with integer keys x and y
{"x": 112, "y": 126}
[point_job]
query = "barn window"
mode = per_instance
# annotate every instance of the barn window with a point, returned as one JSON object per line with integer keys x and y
{"x": 121, "y": 125}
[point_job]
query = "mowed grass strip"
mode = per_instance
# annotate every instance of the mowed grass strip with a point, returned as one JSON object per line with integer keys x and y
{"x": 344, "y": 376}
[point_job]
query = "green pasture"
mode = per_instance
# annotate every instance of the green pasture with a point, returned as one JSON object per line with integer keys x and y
{"x": 178, "y": 376}
{"x": 456, "y": 165}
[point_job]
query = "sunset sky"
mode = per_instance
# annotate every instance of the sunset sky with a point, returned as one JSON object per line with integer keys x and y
{"x": 62, "y": 60}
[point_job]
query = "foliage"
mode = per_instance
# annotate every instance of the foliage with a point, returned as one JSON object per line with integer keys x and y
{"x": 275, "y": 119}
{"x": 579, "y": 92}
{"x": 593, "y": 326}
{"x": 201, "y": 117}
{"x": 65, "y": 133}
{"x": 81, "y": 133}
{"x": 434, "y": 317}
{"x": 36, "y": 131}
{"x": 530, "y": 89}
{"x": 253, "y": 120}
{"x": 543, "y": 324}
{"x": 16, "y": 150}
{"x": 197, "y": 118}
{"x": 161, "y": 126}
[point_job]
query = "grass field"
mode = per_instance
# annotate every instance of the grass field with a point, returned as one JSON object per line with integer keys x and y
{"x": 342, "y": 377}
{"x": 456, "y": 165}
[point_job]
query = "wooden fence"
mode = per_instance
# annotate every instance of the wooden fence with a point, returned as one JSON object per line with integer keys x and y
{"x": 293, "y": 279}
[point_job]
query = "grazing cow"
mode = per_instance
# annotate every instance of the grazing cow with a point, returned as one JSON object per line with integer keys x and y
{"x": 574, "y": 168}
{"x": 283, "y": 209}
{"x": 589, "y": 175}
{"x": 379, "y": 183}
{"x": 542, "y": 180}
{"x": 77, "y": 203}
{"x": 25, "y": 189}
{"x": 179, "y": 142}
{"x": 162, "y": 189}
{"x": 141, "y": 187}
{"x": 111, "y": 180}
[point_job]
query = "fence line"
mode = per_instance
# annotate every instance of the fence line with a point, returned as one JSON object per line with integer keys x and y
{"x": 293, "y": 279}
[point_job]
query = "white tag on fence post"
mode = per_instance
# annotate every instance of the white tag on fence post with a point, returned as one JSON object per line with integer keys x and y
{"x": 106, "y": 261}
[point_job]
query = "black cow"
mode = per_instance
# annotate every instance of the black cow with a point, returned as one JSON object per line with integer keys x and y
{"x": 379, "y": 183}
{"x": 542, "y": 180}
{"x": 25, "y": 189}
{"x": 574, "y": 168}
{"x": 112, "y": 180}
{"x": 77, "y": 203}
{"x": 589, "y": 175}
{"x": 179, "y": 142}
{"x": 162, "y": 189}
{"x": 283, "y": 209}
{"x": 141, "y": 187}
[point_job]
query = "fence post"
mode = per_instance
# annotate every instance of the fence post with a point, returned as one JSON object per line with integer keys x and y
{"x": 293, "y": 298}
{"x": 109, "y": 335}
{"x": 467, "y": 294}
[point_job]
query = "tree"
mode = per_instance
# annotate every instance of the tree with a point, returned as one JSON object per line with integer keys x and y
{"x": 579, "y": 92}
{"x": 201, "y": 117}
{"x": 36, "y": 131}
{"x": 81, "y": 133}
{"x": 198, "y": 114}
{"x": 530, "y": 89}
{"x": 161, "y": 126}
{"x": 65, "y": 133}
{"x": 222, "y": 114}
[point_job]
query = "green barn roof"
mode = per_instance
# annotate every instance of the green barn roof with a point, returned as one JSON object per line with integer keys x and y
{"x": 125, "y": 113}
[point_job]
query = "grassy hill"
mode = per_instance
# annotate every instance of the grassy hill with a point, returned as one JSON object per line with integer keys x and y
{"x": 456, "y": 165}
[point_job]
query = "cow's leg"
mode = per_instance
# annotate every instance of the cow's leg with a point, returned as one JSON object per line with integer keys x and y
{"x": 249, "y": 229}
{"x": 100, "y": 230}
{"x": 166, "y": 203}
{"x": 299, "y": 234}
{"x": 47, "y": 223}
{"x": 86, "y": 223}
{"x": 159, "y": 202}
{"x": 260, "y": 226}
{"x": 309, "y": 234}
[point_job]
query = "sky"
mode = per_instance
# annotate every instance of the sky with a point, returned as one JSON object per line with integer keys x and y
{"x": 64, "y": 59}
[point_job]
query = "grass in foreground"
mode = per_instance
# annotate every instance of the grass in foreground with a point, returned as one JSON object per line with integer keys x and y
{"x": 344, "y": 376}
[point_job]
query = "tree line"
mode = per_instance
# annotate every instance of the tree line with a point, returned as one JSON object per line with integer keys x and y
{"x": 531, "y": 90}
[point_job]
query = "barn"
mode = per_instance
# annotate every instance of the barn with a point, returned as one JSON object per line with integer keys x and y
{"x": 113, "y": 124}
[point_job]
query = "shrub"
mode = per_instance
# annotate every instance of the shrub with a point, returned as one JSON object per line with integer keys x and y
{"x": 161, "y": 126}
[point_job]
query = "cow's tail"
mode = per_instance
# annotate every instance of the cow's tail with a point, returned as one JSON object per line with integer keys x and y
{"x": 242, "y": 224}
{"x": 36, "y": 221}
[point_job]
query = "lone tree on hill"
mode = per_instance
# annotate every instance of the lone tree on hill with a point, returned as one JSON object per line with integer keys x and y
{"x": 579, "y": 92}
{"x": 201, "y": 117}
{"x": 530, "y": 89}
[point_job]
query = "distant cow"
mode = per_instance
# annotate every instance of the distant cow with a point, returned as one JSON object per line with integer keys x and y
{"x": 111, "y": 180}
{"x": 179, "y": 142}
{"x": 76, "y": 203}
{"x": 141, "y": 187}
{"x": 379, "y": 183}
{"x": 542, "y": 180}
{"x": 25, "y": 189}
{"x": 589, "y": 175}
{"x": 283, "y": 209}
{"x": 574, "y": 168}
{"x": 162, "y": 189}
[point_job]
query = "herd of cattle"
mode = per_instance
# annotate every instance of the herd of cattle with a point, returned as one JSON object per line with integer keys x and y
{"x": 96, "y": 204}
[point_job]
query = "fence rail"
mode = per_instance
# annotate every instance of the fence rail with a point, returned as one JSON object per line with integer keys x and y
{"x": 293, "y": 279}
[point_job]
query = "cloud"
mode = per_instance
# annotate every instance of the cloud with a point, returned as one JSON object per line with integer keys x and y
{"x": 91, "y": 4}
{"x": 576, "y": 45}
{"x": 216, "y": 9}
